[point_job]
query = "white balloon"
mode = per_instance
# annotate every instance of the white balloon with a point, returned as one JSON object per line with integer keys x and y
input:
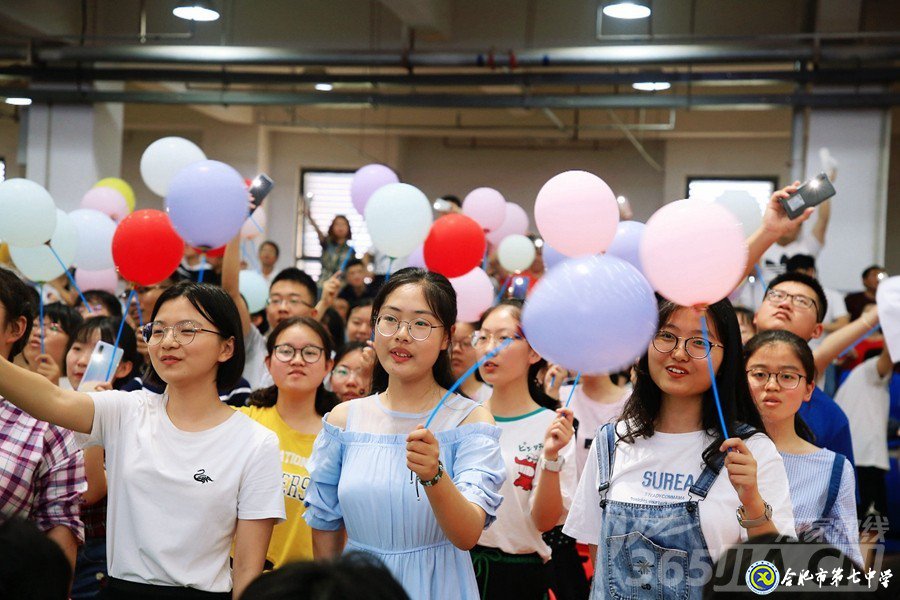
{"x": 164, "y": 158}
{"x": 516, "y": 253}
{"x": 38, "y": 263}
{"x": 743, "y": 206}
{"x": 254, "y": 289}
{"x": 95, "y": 234}
{"x": 27, "y": 213}
{"x": 398, "y": 216}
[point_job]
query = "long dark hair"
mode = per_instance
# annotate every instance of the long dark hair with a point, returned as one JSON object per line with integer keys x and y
{"x": 218, "y": 308}
{"x": 801, "y": 351}
{"x": 267, "y": 397}
{"x": 535, "y": 371}
{"x": 441, "y": 299}
{"x": 643, "y": 408}
{"x": 108, "y": 328}
{"x": 330, "y": 237}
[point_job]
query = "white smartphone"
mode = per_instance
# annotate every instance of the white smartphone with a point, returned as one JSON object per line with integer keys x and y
{"x": 104, "y": 361}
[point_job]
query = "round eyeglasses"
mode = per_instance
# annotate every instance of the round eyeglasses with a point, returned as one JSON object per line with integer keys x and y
{"x": 482, "y": 339}
{"x": 696, "y": 347}
{"x": 419, "y": 329}
{"x": 309, "y": 354}
{"x": 786, "y": 380}
{"x": 183, "y": 332}
{"x": 779, "y": 296}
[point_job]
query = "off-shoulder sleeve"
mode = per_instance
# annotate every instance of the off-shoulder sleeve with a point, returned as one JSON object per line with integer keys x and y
{"x": 323, "y": 509}
{"x": 477, "y": 466}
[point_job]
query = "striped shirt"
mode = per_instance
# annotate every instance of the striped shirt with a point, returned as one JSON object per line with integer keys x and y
{"x": 41, "y": 472}
{"x": 809, "y": 477}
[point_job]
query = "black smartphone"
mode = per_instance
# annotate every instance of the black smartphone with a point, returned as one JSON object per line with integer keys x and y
{"x": 260, "y": 187}
{"x": 815, "y": 191}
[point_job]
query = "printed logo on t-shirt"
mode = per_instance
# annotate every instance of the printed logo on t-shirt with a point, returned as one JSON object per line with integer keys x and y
{"x": 525, "y": 480}
{"x": 667, "y": 482}
{"x": 294, "y": 486}
{"x": 202, "y": 477}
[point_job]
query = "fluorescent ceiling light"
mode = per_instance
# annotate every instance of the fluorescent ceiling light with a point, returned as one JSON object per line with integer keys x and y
{"x": 19, "y": 101}
{"x": 196, "y": 10}
{"x": 626, "y": 10}
{"x": 324, "y": 87}
{"x": 651, "y": 86}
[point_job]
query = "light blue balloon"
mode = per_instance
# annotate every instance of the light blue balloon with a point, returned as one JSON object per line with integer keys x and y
{"x": 27, "y": 213}
{"x": 595, "y": 315}
{"x": 398, "y": 217}
{"x": 38, "y": 263}
{"x": 254, "y": 289}
{"x": 627, "y": 243}
{"x": 207, "y": 203}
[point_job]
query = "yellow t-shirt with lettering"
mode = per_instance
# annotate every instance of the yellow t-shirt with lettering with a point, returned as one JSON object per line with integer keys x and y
{"x": 291, "y": 539}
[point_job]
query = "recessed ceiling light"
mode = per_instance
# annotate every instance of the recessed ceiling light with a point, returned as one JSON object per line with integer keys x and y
{"x": 626, "y": 9}
{"x": 324, "y": 87}
{"x": 19, "y": 101}
{"x": 651, "y": 86}
{"x": 196, "y": 10}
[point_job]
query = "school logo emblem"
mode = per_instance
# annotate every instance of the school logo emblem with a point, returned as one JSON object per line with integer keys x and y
{"x": 201, "y": 476}
{"x": 762, "y": 577}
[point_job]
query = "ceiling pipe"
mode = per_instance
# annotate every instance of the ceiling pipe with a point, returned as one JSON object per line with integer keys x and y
{"x": 261, "y": 98}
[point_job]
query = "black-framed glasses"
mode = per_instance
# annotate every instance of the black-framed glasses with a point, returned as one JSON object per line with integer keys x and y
{"x": 786, "y": 380}
{"x": 696, "y": 347}
{"x": 183, "y": 332}
{"x": 292, "y": 301}
{"x": 779, "y": 296}
{"x": 419, "y": 328}
{"x": 483, "y": 339}
{"x": 309, "y": 353}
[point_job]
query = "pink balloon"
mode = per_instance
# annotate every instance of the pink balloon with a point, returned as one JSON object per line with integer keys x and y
{"x": 486, "y": 206}
{"x": 577, "y": 213}
{"x": 474, "y": 294}
{"x": 366, "y": 181}
{"x": 417, "y": 258}
{"x": 106, "y": 280}
{"x": 515, "y": 223}
{"x": 108, "y": 201}
{"x": 693, "y": 252}
{"x": 254, "y": 225}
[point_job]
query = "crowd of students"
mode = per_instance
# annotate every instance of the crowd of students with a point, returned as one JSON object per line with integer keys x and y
{"x": 228, "y": 444}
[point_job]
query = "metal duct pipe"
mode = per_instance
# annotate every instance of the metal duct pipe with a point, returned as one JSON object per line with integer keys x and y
{"x": 829, "y": 100}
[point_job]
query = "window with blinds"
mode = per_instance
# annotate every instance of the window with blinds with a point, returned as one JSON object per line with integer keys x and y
{"x": 709, "y": 189}
{"x": 327, "y": 193}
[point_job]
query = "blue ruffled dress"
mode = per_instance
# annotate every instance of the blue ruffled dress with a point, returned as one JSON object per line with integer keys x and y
{"x": 359, "y": 480}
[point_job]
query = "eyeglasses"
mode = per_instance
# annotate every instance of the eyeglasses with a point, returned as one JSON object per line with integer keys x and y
{"x": 779, "y": 296}
{"x": 785, "y": 379}
{"x": 463, "y": 343}
{"x": 309, "y": 354}
{"x": 483, "y": 339}
{"x": 183, "y": 332}
{"x": 419, "y": 329}
{"x": 292, "y": 301}
{"x": 696, "y": 347}
{"x": 342, "y": 372}
{"x": 51, "y": 327}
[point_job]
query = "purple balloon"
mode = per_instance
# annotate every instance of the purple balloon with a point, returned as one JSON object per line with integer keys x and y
{"x": 417, "y": 258}
{"x": 366, "y": 181}
{"x": 207, "y": 203}
{"x": 595, "y": 315}
{"x": 552, "y": 257}
{"x": 627, "y": 243}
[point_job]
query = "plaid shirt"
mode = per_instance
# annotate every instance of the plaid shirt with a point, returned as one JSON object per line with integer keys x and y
{"x": 41, "y": 472}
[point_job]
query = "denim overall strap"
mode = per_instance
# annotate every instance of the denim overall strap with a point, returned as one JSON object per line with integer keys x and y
{"x": 605, "y": 456}
{"x": 834, "y": 483}
{"x": 701, "y": 487}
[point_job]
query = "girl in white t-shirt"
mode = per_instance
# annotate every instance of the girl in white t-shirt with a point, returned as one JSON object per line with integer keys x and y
{"x": 653, "y": 502}
{"x": 539, "y": 453}
{"x": 189, "y": 478}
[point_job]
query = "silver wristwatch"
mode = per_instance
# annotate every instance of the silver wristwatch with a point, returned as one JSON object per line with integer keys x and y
{"x": 748, "y": 523}
{"x": 554, "y": 466}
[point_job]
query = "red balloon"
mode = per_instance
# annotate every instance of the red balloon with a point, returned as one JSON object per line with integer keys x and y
{"x": 146, "y": 248}
{"x": 454, "y": 246}
{"x": 212, "y": 253}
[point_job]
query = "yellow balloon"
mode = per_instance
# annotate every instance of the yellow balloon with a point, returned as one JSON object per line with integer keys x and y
{"x": 120, "y": 186}
{"x": 4, "y": 253}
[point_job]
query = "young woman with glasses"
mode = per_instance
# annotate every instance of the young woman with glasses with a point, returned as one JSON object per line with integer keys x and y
{"x": 781, "y": 372}
{"x": 189, "y": 478}
{"x": 657, "y": 502}
{"x": 48, "y": 357}
{"x": 351, "y": 377}
{"x": 415, "y": 498}
{"x": 462, "y": 357}
{"x": 299, "y": 359}
{"x": 540, "y": 464}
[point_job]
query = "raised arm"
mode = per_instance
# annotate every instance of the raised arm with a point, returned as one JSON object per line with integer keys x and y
{"x": 44, "y": 401}
{"x": 548, "y": 505}
{"x": 775, "y": 225}
{"x": 231, "y": 277}
{"x": 824, "y": 212}
{"x": 844, "y": 337}
{"x": 306, "y": 211}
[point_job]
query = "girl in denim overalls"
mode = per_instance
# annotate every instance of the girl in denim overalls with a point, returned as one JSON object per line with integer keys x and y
{"x": 653, "y": 498}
